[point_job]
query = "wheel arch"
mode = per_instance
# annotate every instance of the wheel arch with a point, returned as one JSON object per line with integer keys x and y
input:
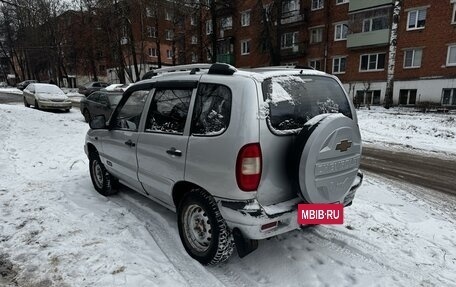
{"x": 183, "y": 187}
{"x": 91, "y": 148}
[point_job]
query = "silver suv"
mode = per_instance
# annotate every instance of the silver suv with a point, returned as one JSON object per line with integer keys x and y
{"x": 233, "y": 152}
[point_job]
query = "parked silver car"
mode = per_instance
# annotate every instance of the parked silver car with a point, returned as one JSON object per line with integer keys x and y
{"x": 46, "y": 96}
{"x": 231, "y": 151}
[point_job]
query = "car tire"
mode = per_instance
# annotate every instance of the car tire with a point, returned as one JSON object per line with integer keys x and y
{"x": 67, "y": 110}
{"x": 27, "y": 105}
{"x": 202, "y": 229}
{"x": 37, "y": 106}
{"x": 86, "y": 115}
{"x": 102, "y": 180}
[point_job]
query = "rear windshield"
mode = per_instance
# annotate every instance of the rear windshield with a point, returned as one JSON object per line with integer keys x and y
{"x": 294, "y": 100}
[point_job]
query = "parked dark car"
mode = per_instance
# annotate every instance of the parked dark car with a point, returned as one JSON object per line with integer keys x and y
{"x": 91, "y": 87}
{"x": 99, "y": 103}
{"x": 22, "y": 85}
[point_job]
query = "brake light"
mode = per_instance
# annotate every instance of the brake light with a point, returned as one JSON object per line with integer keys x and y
{"x": 248, "y": 167}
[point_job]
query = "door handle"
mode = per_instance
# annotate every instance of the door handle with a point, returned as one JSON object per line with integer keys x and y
{"x": 174, "y": 151}
{"x": 130, "y": 143}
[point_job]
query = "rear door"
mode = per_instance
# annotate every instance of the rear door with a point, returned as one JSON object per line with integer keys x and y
{"x": 120, "y": 142}
{"x": 162, "y": 147}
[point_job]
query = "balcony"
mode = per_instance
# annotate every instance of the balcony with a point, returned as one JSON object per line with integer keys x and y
{"x": 356, "y": 5}
{"x": 369, "y": 39}
{"x": 226, "y": 58}
{"x": 292, "y": 17}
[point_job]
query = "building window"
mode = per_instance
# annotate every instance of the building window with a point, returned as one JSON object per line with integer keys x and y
{"x": 340, "y": 32}
{"x": 316, "y": 64}
{"x": 149, "y": 12}
{"x": 449, "y": 97}
{"x": 169, "y": 54}
{"x": 316, "y": 35}
{"x": 208, "y": 27}
{"x": 368, "y": 97}
{"x": 317, "y": 4}
{"x": 151, "y": 32}
{"x": 194, "y": 58}
{"x": 168, "y": 16}
{"x": 339, "y": 65}
{"x": 245, "y": 18}
{"x": 153, "y": 52}
{"x": 209, "y": 53}
{"x": 341, "y": 1}
{"x": 407, "y": 97}
{"x": 289, "y": 6}
{"x": 169, "y": 35}
{"x": 453, "y": 16}
{"x": 416, "y": 19}
{"x": 193, "y": 20}
{"x": 226, "y": 23}
{"x": 194, "y": 39}
{"x": 245, "y": 47}
{"x": 289, "y": 40}
{"x": 374, "y": 24}
{"x": 412, "y": 58}
{"x": 451, "y": 58}
{"x": 372, "y": 62}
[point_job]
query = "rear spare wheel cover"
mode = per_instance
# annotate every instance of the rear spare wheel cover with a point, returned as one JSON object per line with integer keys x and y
{"x": 329, "y": 159}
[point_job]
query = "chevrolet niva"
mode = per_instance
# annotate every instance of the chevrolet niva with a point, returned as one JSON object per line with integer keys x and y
{"x": 232, "y": 151}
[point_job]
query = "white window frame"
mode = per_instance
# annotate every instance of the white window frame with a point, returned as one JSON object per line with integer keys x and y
{"x": 417, "y": 11}
{"x": 149, "y": 12}
{"x": 312, "y": 63}
{"x": 294, "y": 40}
{"x": 169, "y": 35}
{"x": 368, "y": 62}
{"x": 413, "y": 65}
{"x": 453, "y": 15}
{"x": 245, "y": 18}
{"x": 209, "y": 27}
{"x": 341, "y": 37}
{"x": 339, "y": 58}
{"x": 245, "y": 47}
{"x": 320, "y": 4}
{"x": 208, "y": 53}
{"x": 453, "y": 46}
{"x": 168, "y": 15}
{"x": 289, "y": 6}
{"x": 169, "y": 54}
{"x": 194, "y": 57}
{"x": 151, "y": 32}
{"x": 151, "y": 54}
{"x": 340, "y": 2}
{"x": 194, "y": 40}
{"x": 319, "y": 35}
{"x": 193, "y": 20}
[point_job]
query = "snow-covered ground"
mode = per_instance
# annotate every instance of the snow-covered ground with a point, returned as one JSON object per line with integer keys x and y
{"x": 404, "y": 128}
{"x": 55, "y": 230}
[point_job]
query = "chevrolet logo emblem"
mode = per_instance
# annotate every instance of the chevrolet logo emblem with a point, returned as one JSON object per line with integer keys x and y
{"x": 343, "y": 145}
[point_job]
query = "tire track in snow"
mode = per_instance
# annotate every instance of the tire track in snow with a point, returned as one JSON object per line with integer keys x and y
{"x": 170, "y": 244}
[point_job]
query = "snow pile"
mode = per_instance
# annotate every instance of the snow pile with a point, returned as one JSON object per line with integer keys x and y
{"x": 11, "y": 91}
{"x": 406, "y": 129}
{"x": 55, "y": 230}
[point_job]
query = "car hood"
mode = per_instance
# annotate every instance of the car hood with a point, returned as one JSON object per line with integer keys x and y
{"x": 51, "y": 96}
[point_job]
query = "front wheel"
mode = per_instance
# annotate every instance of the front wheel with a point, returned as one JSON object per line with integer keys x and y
{"x": 102, "y": 180}
{"x": 203, "y": 231}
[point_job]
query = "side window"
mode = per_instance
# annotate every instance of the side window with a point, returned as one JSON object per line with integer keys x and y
{"x": 129, "y": 115}
{"x": 168, "y": 111}
{"x": 212, "y": 111}
{"x": 94, "y": 97}
{"x": 96, "y": 85}
{"x": 103, "y": 99}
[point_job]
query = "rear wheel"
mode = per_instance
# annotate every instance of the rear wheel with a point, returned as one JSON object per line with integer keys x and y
{"x": 102, "y": 180}
{"x": 27, "y": 105}
{"x": 203, "y": 231}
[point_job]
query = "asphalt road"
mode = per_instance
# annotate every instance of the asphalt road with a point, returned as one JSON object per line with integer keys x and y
{"x": 426, "y": 171}
{"x": 9, "y": 98}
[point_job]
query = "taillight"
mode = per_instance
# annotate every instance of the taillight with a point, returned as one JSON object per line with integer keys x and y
{"x": 248, "y": 167}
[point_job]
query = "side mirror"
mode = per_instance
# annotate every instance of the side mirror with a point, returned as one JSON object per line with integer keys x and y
{"x": 98, "y": 123}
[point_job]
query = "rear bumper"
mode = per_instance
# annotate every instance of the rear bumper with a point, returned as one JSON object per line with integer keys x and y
{"x": 249, "y": 216}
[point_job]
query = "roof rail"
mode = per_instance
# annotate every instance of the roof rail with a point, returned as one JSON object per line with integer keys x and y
{"x": 183, "y": 68}
{"x": 304, "y": 67}
{"x": 222, "y": 69}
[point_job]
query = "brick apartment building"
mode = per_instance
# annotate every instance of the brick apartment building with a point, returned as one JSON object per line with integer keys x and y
{"x": 351, "y": 39}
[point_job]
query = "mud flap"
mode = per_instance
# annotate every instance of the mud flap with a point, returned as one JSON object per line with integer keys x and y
{"x": 243, "y": 246}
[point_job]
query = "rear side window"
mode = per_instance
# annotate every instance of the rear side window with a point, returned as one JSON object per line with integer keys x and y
{"x": 168, "y": 111}
{"x": 212, "y": 111}
{"x": 294, "y": 100}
